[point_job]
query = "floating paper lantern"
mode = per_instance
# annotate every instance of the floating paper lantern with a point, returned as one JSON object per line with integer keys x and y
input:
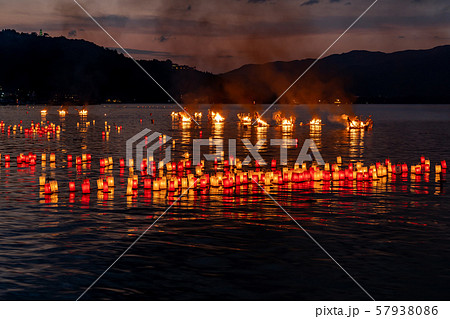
{"x": 418, "y": 170}
{"x": 71, "y": 186}
{"x": 184, "y": 183}
{"x": 54, "y": 186}
{"x": 147, "y": 183}
{"x": 52, "y": 157}
{"x": 100, "y": 184}
{"x": 444, "y": 165}
{"x": 42, "y": 181}
{"x": 404, "y": 168}
{"x": 48, "y": 189}
{"x": 110, "y": 181}
{"x": 86, "y": 187}
{"x": 69, "y": 158}
{"x": 105, "y": 188}
{"x": 156, "y": 184}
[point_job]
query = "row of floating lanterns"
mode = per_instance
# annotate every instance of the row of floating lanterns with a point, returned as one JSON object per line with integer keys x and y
{"x": 33, "y": 129}
{"x": 181, "y": 175}
{"x": 63, "y": 112}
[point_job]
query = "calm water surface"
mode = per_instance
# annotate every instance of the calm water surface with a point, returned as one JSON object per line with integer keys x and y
{"x": 392, "y": 237}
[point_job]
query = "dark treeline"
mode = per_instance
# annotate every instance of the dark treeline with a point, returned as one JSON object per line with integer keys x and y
{"x": 42, "y": 69}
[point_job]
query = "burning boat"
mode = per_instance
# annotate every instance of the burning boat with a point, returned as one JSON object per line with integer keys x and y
{"x": 357, "y": 123}
{"x": 245, "y": 119}
{"x": 182, "y": 117}
{"x": 315, "y": 122}
{"x": 280, "y": 119}
{"x": 259, "y": 121}
{"x": 215, "y": 117}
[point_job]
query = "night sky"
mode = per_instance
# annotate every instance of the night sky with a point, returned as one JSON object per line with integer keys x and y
{"x": 219, "y": 35}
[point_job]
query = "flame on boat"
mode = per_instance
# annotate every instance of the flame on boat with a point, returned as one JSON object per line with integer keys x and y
{"x": 315, "y": 121}
{"x": 83, "y": 112}
{"x": 282, "y": 120}
{"x": 245, "y": 118}
{"x": 183, "y": 117}
{"x": 215, "y": 117}
{"x": 355, "y": 122}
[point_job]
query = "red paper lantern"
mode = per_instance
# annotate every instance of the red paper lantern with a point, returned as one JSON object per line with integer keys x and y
{"x": 444, "y": 164}
{"x": 404, "y": 168}
{"x": 359, "y": 176}
{"x": 122, "y": 163}
{"x": 86, "y": 187}
{"x": 69, "y": 158}
{"x": 274, "y": 163}
{"x": 147, "y": 183}
{"x": 71, "y": 186}
{"x": 105, "y": 187}
{"x": 227, "y": 183}
{"x": 47, "y": 189}
{"x": 418, "y": 170}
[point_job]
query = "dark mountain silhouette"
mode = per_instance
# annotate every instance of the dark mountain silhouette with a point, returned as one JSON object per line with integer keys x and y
{"x": 41, "y": 69}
